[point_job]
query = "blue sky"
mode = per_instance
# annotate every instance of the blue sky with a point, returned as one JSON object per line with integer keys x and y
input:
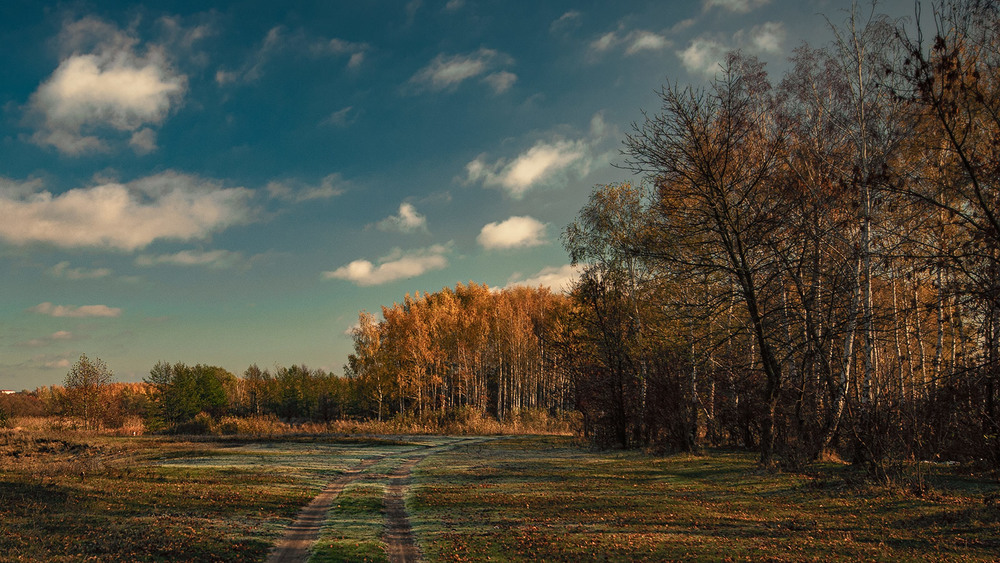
{"x": 231, "y": 182}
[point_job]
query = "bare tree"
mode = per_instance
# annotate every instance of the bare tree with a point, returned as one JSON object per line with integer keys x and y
{"x": 86, "y": 384}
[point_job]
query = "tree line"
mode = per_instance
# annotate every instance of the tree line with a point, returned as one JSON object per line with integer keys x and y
{"x": 812, "y": 265}
{"x": 808, "y": 267}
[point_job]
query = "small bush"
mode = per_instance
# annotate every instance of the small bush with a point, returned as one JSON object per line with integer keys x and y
{"x": 201, "y": 424}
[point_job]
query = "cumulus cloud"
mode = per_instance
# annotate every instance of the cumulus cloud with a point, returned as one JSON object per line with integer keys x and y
{"x": 735, "y": 6}
{"x": 104, "y": 84}
{"x": 217, "y": 259}
{"x": 516, "y": 232}
{"x": 397, "y": 266}
{"x": 446, "y": 72}
{"x": 558, "y": 279}
{"x": 122, "y": 216}
{"x": 407, "y": 221}
{"x": 70, "y": 311}
{"x": 544, "y": 162}
{"x": 330, "y": 186}
{"x": 705, "y": 55}
{"x": 64, "y": 270}
{"x": 143, "y": 141}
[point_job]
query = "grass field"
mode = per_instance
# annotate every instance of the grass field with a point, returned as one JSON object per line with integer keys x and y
{"x": 75, "y": 498}
{"x": 547, "y": 499}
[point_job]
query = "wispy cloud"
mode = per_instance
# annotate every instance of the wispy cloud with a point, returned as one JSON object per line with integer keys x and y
{"x": 64, "y": 270}
{"x": 705, "y": 55}
{"x": 566, "y": 22}
{"x": 558, "y": 279}
{"x": 127, "y": 216}
{"x": 632, "y": 42}
{"x": 216, "y": 259}
{"x": 294, "y": 191}
{"x": 446, "y": 72}
{"x": 280, "y": 40}
{"x": 58, "y": 336}
{"x": 516, "y": 232}
{"x": 408, "y": 220}
{"x": 343, "y": 117}
{"x": 735, "y": 6}
{"x": 396, "y": 266}
{"x": 71, "y": 311}
{"x": 104, "y": 84}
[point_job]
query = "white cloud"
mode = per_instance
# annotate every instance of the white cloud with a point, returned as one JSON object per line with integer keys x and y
{"x": 736, "y": 6}
{"x": 123, "y": 216}
{"x": 446, "y": 72}
{"x": 645, "y": 41}
{"x": 343, "y": 117}
{"x": 501, "y": 81}
{"x": 397, "y": 266}
{"x": 279, "y": 40}
{"x": 635, "y": 41}
{"x": 407, "y": 221}
{"x": 539, "y": 165}
{"x": 143, "y": 141}
{"x": 83, "y": 311}
{"x": 62, "y": 363}
{"x": 559, "y": 280}
{"x": 566, "y": 21}
{"x": 63, "y": 270}
{"x": 705, "y": 55}
{"x": 111, "y": 86}
{"x": 330, "y": 186}
{"x": 516, "y": 232}
{"x": 605, "y": 42}
{"x": 355, "y": 52}
{"x": 454, "y": 5}
{"x": 767, "y": 37}
{"x": 217, "y": 259}
{"x": 60, "y": 335}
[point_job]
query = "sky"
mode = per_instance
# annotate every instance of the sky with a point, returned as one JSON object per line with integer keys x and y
{"x": 230, "y": 183}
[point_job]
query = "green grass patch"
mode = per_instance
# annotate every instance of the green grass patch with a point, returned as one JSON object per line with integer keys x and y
{"x": 546, "y": 499}
{"x": 354, "y": 527}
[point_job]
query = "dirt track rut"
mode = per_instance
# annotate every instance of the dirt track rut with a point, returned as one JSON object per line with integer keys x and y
{"x": 401, "y": 545}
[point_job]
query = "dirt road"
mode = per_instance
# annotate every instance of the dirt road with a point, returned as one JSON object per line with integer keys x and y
{"x": 401, "y": 545}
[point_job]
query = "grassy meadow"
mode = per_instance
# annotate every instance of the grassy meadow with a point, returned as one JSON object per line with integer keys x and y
{"x": 74, "y": 497}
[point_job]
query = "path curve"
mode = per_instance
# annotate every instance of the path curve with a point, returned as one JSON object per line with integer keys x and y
{"x": 401, "y": 544}
{"x": 294, "y": 546}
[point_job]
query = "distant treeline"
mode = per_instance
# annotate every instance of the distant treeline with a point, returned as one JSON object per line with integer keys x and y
{"x": 493, "y": 351}
{"x": 174, "y": 395}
